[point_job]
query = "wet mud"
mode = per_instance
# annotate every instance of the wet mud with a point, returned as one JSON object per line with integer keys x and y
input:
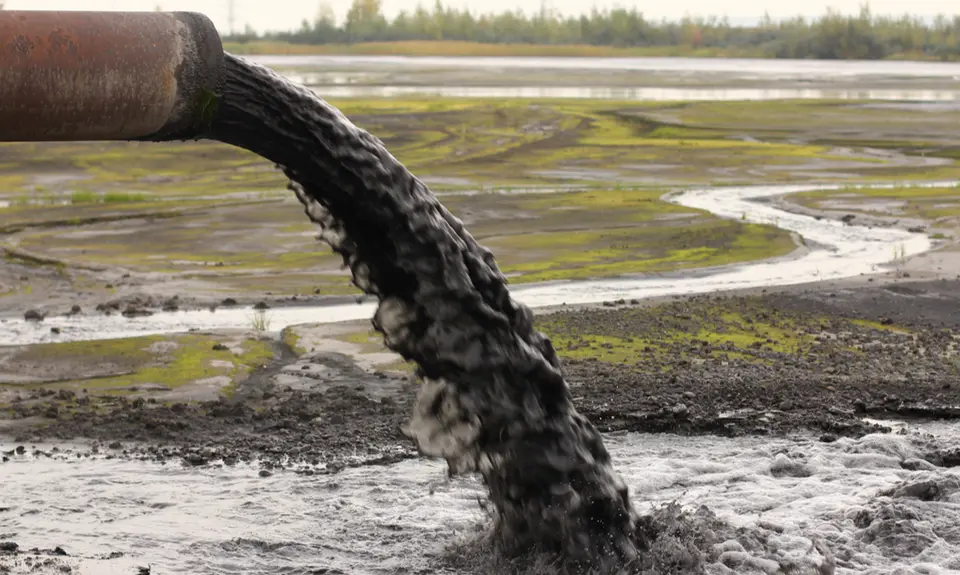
{"x": 885, "y": 355}
{"x": 16, "y": 560}
{"x": 900, "y": 363}
{"x": 329, "y": 415}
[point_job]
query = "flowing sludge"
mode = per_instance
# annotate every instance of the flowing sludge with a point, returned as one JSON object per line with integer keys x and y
{"x": 494, "y": 400}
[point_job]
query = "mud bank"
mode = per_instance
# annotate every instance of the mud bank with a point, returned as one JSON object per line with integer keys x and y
{"x": 821, "y": 361}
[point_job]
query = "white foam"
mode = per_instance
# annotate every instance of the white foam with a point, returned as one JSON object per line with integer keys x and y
{"x": 399, "y": 517}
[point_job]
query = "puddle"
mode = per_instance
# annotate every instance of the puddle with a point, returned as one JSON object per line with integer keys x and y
{"x": 839, "y": 251}
{"x": 356, "y": 77}
{"x": 398, "y": 518}
{"x": 313, "y": 71}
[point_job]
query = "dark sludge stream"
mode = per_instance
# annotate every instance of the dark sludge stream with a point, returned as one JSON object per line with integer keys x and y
{"x": 493, "y": 399}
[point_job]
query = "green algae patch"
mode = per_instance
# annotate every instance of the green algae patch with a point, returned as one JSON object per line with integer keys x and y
{"x": 595, "y": 232}
{"x": 531, "y": 140}
{"x": 492, "y": 141}
{"x": 369, "y": 340}
{"x": 879, "y": 326}
{"x": 294, "y": 282}
{"x": 601, "y": 232}
{"x": 291, "y": 339}
{"x": 736, "y": 330}
{"x": 634, "y": 203}
{"x": 692, "y": 331}
{"x": 399, "y": 366}
{"x": 144, "y": 364}
{"x": 639, "y": 249}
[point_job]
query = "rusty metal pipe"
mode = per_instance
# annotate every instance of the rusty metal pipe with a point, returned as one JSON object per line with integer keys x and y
{"x": 71, "y": 76}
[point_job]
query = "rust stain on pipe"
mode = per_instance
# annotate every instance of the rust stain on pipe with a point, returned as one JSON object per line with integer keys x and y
{"x": 106, "y": 75}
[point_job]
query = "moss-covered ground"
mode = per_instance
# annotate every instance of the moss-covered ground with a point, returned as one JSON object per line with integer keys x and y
{"x": 159, "y": 208}
{"x": 671, "y": 335}
{"x": 676, "y": 335}
{"x": 157, "y": 364}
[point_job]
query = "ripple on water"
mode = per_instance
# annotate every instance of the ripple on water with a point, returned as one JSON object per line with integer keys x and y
{"x": 874, "y": 503}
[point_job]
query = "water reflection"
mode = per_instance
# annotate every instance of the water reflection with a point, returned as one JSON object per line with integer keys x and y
{"x": 741, "y": 67}
{"x": 653, "y": 79}
{"x": 648, "y": 94}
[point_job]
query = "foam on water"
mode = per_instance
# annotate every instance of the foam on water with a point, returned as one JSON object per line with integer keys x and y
{"x": 873, "y": 503}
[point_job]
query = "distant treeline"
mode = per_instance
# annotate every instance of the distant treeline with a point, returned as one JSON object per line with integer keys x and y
{"x": 831, "y": 36}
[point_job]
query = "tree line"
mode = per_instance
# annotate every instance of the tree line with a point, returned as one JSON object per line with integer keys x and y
{"x": 831, "y": 36}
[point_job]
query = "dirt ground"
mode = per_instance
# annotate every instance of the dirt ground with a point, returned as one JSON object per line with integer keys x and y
{"x": 835, "y": 362}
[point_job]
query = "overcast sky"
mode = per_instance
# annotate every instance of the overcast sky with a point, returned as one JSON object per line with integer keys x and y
{"x": 287, "y": 14}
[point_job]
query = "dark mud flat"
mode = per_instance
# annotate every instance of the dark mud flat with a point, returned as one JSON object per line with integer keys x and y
{"x": 334, "y": 415}
{"x": 823, "y": 361}
{"x": 837, "y": 363}
{"x": 928, "y": 304}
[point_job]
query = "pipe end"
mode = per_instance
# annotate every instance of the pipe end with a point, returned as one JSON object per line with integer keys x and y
{"x": 199, "y": 77}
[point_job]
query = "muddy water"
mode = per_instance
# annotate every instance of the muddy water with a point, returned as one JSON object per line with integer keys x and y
{"x": 835, "y": 251}
{"x": 400, "y": 518}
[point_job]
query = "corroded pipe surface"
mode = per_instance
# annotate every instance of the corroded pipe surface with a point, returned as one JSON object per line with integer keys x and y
{"x": 107, "y": 75}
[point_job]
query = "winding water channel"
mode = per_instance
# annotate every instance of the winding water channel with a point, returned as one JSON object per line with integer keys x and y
{"x": 833, "y": 251}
